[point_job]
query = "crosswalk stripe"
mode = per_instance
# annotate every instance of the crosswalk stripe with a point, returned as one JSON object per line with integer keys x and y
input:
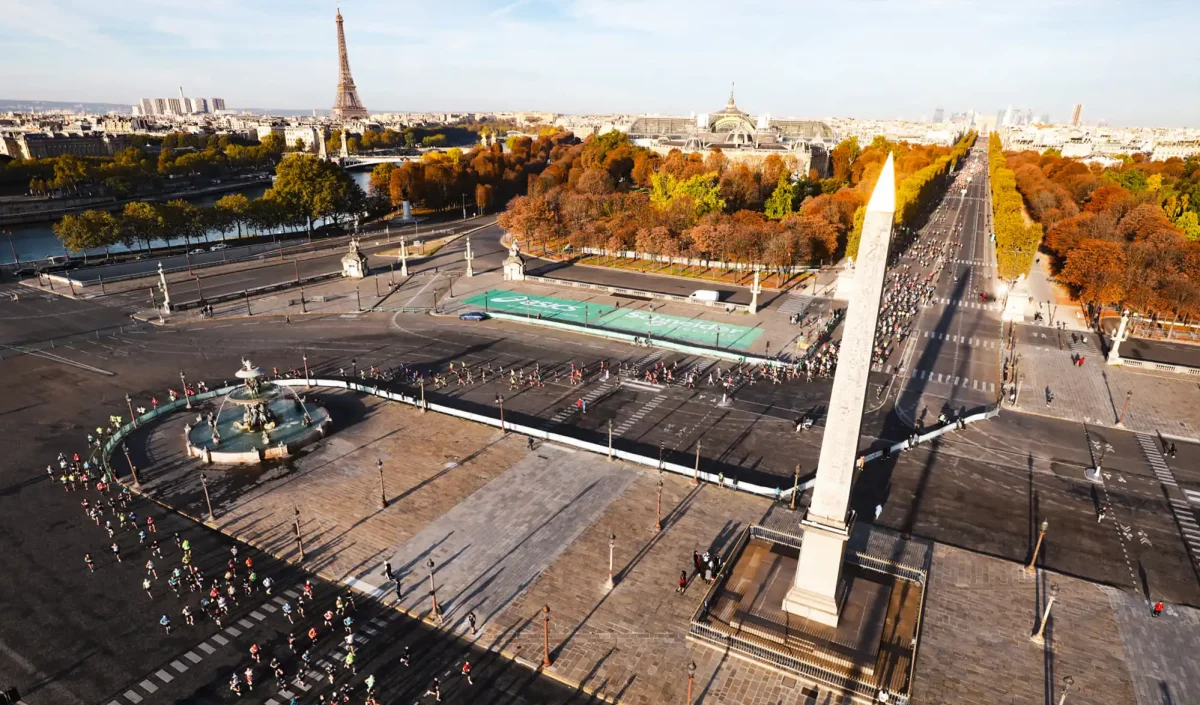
{"x": 133, "y": 697}
{"x": 148, "y": 687}
{"x": 178, "y": 666}
{"x": 208, "y": 649}
{"x": 233, "y": 630}
{"x": 269, "y": 607}
{"x": 246, "y": 623}
{"x": 165, "y": 677}
{"x": 191, "y": 656}
{"x": 222, "y": 641}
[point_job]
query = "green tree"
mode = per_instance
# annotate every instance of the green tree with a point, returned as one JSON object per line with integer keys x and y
{"x": 140, "y": 222}
{"x": 779, "y": 205}
{"x": 234, "y": 209}
{"x": 1189, "y": 223}
{"x": 69, "y": 171}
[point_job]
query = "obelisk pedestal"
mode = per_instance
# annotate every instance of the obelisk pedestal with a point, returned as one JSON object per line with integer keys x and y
{"x": 818, "y": 590}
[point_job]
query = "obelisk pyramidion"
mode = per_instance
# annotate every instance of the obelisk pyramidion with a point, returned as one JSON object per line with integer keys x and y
{"x": 817, "y": 590}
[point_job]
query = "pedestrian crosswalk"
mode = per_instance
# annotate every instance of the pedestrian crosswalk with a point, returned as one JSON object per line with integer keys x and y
{"x": 588, "y": 398}
{"x": 967, "y": 303}
{"x": 796, "y": 304}
{"x": 639, "y": 414}
{"x": 972, "y": 262}
{"x": 1193, "y": 496}
{"x": 960, "y": 339}
{"x": 335, "y": 657}
{"x": 954, "y": 381}
{"x": 1184, "y": 515}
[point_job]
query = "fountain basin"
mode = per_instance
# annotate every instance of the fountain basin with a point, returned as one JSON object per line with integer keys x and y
{"x": 288, "y": 435}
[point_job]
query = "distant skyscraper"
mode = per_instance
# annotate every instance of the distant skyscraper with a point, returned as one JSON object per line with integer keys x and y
{"x": 1077, "y": 115}
{"x": 346, "y": 103}
{"x": 217, "y": 103}
{"x": 938, "y": 115}
{"x": 1008, "y": 116}
{"x": 1044, "y": 119}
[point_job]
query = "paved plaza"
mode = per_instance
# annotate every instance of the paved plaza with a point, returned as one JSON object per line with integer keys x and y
{"x": 512, "y": 530}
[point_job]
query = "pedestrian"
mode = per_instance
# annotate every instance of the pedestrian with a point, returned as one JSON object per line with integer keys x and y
{"x": 387, "y": 571}
{"x": 312, "y": 635}
{"x": 254, "y": 653}
{"x": 1172, "y": 451}
{"x": 277, "y": 669}
{"x": 249, "y": 677}
{"x": 150, "y": 569}
{"x": 878, "y": 511}
{"x": 404, "y": 657}
{"x": 287, "y": 612}
{"x": 529, "y": 443}
{"x": 1158, "y": 608}
{"x": 166, "y": 622}
{"x": 682, "y": 582}
{"x": 435, "y": 689}
{"x": 87, "y": 558}
{"x": 466, "y": 671}
{"x": 116, "y": 551}
{"x": 349, "y": 642}
{"x": 696, "y": 562}
{"x": 188, "y": 617}
{"x": 235, "y": 684}
{"x": 348, "y": 623}
{"x": 292, "y": 642}
{"x": 155, "y": 549}
{"x": 146, "y": 587}
{"x": 267, "y": 583}
{"x": 370, "y": 683}
{"x": 150, "y": 526}
{"x": 471, "y": 621}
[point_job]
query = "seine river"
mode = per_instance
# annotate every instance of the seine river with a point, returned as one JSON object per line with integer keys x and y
{"x": 37, "y": 241}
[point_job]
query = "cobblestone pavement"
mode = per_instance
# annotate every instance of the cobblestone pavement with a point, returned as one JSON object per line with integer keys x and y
{"x": 1096, "y": 393}
{"x": 495, "y": 542}
{"x": 1160, "y": 652}
{"x": 975, "y": 645}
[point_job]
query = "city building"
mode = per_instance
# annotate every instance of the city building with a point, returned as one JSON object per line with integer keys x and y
{"x": 1077, "y": 115}
{"x": 178, "y": 106}
{"x": 938, "y": 115}
{"x": 1181, "y": 148}
{"x": 738, "y": 134}
{"x": 41, "y": 145}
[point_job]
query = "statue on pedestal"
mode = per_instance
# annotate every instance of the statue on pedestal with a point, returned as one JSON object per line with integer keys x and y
{"x": 354, "y": 263}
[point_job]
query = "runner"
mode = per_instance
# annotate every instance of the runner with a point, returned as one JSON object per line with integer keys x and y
{"x": 87, "y": 558}
{"x": 166, "y": 622}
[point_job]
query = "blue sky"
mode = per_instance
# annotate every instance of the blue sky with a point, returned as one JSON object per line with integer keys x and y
{"x": 1128, "y": 62}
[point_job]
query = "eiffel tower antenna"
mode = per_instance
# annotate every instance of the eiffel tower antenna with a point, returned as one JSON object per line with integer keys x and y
{"x": 346, "y": 103}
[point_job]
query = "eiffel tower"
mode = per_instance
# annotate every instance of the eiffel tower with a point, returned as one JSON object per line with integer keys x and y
{"x": 346, "y": 104}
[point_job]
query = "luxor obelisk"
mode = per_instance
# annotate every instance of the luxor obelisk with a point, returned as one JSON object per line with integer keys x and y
{"x": 818, "y": 590}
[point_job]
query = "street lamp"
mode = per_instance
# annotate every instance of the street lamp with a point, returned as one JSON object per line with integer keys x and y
{"x": 1037, "y": 547}
{"x": 187, "y": 398}
{"x": 207, "y": 500}
{"x": 691, "y": 679}
{"x": 696, "y": 476}
{"x": 437, "y": 613}
{"x": 546, "y": 635}
{"x": 129, "y": 403}
{"x": 658, "y": 511}
{"x": 1067, "y": 683}
{"x": 1124, "y": 407}
{"x": 661, "y": 449}
{"x": 1037, "y": 636}
{"x": 296, "y": 526}
{"x": 382, "y": 495}
{"x": 500, "y": 401}
{"x": 132, "y": 470}
{"x": 795, "y": 487}
{"x": 307, "y": 380}
{"x": 612, "y": 542}
{"x": 354, "y": 368}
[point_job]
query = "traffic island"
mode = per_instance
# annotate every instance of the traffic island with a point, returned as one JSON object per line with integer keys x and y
{"x": 872, "y": 649}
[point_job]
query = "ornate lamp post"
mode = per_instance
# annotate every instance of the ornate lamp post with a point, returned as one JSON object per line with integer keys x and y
{"x": 187, "y": 398}
{"x": 691, "y": 680}
{"x": 307, "y": 379}
{"x": 1037, "y": 547}
{"x": 129, "y": 403}
{"x": 296, "y": 526}
{"x": 207, "y": 499}
{"x": 1124, "y": 408}
{"x": 546, "y": 636}
{"x": 382, "y": 495}
{"x": 437, "y": 612}
{"x": 612, "y": 542}
{"x": 132, "y": 470}
{"x": 1037, "y": 636}
{"x": 696, "y": 476}
{"x": 1067, "y": 683}
{"x": 658, "y": 510}
{"x": 795, "y": 487}
{"x": 500, "y": 401}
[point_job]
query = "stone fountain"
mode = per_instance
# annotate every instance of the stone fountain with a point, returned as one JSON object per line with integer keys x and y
{"x": 256, "y": 421}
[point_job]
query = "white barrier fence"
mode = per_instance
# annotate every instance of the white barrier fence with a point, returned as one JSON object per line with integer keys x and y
{"x": 695, "y": 473}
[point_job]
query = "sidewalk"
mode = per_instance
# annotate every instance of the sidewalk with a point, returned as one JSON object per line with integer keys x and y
{"x": 1096, "y": 393}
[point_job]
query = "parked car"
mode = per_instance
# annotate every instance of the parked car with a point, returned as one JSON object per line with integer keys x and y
{"x": 473, "y": 316}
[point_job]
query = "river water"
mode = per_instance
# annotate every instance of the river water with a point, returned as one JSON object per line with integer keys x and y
{"x": 37, "y": 241}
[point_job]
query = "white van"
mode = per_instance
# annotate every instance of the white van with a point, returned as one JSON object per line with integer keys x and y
{"x": 705, "y": 295}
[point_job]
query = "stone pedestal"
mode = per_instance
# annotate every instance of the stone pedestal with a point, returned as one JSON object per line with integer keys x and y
{"x": 843, "y": 286}
{"x": 1016, "y": 302}
{"x": 354, "y": 263}
{"x": 514, "y": 265}
{"x": 818, "y": 591}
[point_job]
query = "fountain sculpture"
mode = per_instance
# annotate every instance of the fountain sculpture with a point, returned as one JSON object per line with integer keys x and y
{"x": 264, "y": 424}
